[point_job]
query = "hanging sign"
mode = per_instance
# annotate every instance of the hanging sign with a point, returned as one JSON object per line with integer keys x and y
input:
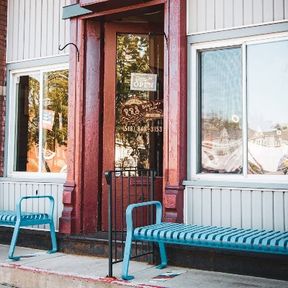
{"x": 143, "y": 82}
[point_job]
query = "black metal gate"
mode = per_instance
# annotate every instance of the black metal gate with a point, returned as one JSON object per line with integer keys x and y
{"x": 125, "y": 187}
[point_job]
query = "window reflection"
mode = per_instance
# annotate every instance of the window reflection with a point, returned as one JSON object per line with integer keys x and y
{"x": 54, "y": 121}
{"x": 221, "y": 111}
{"x": 28, "y": 90}
{"x": 267, "y": 86}
{"x": 52, "y": 105}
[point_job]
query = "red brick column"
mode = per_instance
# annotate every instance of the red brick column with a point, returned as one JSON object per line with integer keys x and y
{"x": 3, "y": 34}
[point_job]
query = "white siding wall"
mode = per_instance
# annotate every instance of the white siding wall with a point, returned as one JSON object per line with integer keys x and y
{"x": 235, "y": 207}
{"x": 10, "y": 193}
{"x": 35, "y": 29}
{"x": 210, "y": 15}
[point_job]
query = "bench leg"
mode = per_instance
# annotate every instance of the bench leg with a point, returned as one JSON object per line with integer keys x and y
{"x": 127, "y": 253}
{"x": 13, "y": 242}
{"x": 163, "y": 256}
{"x": 53, "y": 238}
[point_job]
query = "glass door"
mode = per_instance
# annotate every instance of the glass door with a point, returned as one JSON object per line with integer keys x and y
{"x": 133, "y": 101}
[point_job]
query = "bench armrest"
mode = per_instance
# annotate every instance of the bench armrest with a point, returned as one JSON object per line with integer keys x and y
{"x": 19, "y": 204}
{"x": 129, "y": 211}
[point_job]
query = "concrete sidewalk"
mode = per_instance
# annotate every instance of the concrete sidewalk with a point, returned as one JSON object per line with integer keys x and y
{"x": 63, "y": 270}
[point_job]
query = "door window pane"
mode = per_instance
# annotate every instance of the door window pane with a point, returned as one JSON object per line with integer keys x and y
{"x": 221, "y": 111}
{"x": 267, "y": 88}
{"x": 139, "y": 102}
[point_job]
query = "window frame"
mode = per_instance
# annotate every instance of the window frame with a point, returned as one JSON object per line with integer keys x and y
{"x": 12, "y": 121}
{"x": 194, "y": 110}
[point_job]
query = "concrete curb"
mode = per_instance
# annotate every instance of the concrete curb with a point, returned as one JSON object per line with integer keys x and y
{"x": 27, "y": 277}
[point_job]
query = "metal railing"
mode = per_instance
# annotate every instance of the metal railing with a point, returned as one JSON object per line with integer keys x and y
{"x": 125, "y": 187}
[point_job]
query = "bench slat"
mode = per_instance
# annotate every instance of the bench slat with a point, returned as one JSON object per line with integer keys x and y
{"x": 213, "y": 236}
{"x": 11, "y": 217}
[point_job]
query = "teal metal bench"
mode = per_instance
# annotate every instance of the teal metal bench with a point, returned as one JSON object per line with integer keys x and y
{"x": 20, "y": 219}
{"x": 251, "y": 240}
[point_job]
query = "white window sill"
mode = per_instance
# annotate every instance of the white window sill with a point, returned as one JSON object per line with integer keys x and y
{"x": 259, "y": 182}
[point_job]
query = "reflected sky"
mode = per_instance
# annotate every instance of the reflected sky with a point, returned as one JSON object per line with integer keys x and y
{"x": 267, "y": 85}
{"x": 221, "y": 83}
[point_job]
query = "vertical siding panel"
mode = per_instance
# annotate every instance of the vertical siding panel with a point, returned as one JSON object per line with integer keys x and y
{"x": 29, "y": 191}
{"x": 44, "y": 28}
{"x": 238, "y": 13}
{"x": 56, "y": 27}
{"x": 248, "y": 12}
{"x": 268, "y": 10}
{"x": 54, "y": 193}
{"x": 188, "y": 203}
{"x": 21, "y": 31}
{"x": 201, "y": 12}
{"x": 41, "y": 191}
{"x": 35, "y": 188}
{"x": 13, "y": 195}
{"x": 226, "y": 207}
{"x": 26, "y": 204}
{"x": 228, "y": 14}
{"x": 246, "y": 209}
{"x": 278, "y": 210}
{"x": 38, "y": 28}
{"x": 15, "y": 189}
{"x": 278, "y": 10}
{"x": 197, "y": 206}
{"x": 216, "y": 207}
{"x": 15, "y": 29}
{"x": 268, "y": 208}
{"x": 59, "y": 203}
{"x": 62, "y": 29}
{"x": 67, "y": 30}
{"x": 286, "y": 9}
{"x": 32, "y": 29}
{"x": 206, "y": 206}
{"x": 236, "y": 208}
{"x": 257, "y": 11}
{"x": 210, "y": 15}
{"x": 10, "y": 28}
{"x": 193, "y": 16}
{"x": 257, "y": 209}
{"x": 219, "y": 14}
{"x": 5, "y": 196}
{"x": 50, "y": 27}
{"x": 27, "y": 28}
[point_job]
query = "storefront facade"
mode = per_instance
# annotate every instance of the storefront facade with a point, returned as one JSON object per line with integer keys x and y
{"x": 195, "y": 90}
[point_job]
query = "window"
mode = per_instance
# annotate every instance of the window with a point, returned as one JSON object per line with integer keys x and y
{"x": 240, "y": 109}
{"x": 39, "y": 141}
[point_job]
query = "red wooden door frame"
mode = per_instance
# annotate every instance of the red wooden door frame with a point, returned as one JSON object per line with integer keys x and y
{"x": 76, "y": 194}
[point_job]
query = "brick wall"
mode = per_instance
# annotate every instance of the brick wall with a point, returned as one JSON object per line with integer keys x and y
{"x": 3, "y": 33}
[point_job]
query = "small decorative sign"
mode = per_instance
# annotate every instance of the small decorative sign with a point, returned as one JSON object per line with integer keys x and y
{"x": 135, "y": 110}
{"x": 143, "y": 82}
{"x": 48, "y": 119}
